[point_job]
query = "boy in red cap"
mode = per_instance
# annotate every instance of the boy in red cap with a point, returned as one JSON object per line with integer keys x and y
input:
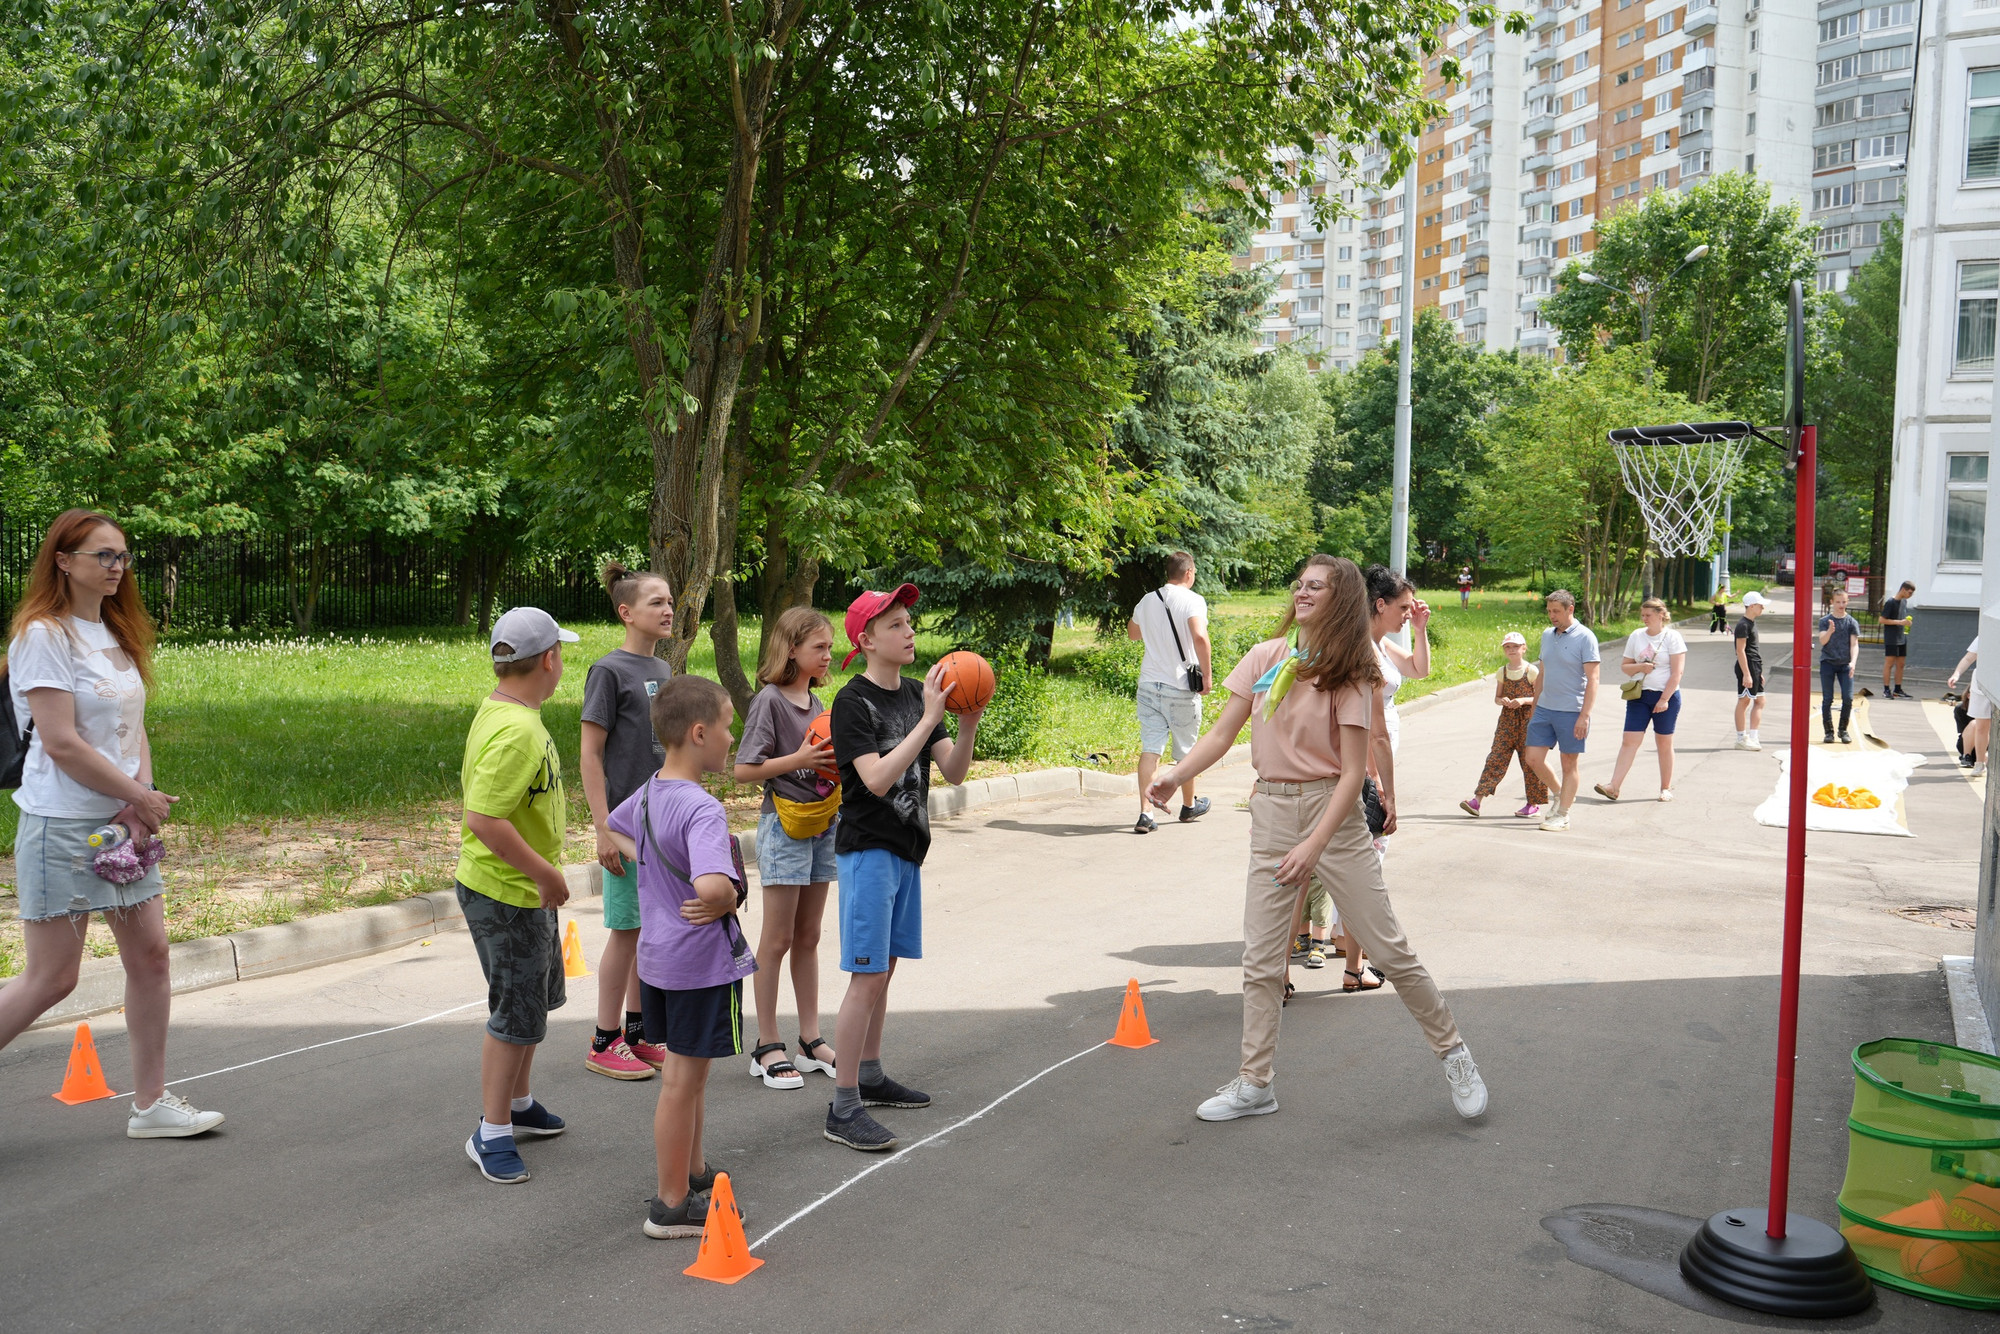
{"x": 886, "y": 731}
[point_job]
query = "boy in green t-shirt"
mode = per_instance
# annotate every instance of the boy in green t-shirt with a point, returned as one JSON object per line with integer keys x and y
{"x": 509, "y": 884}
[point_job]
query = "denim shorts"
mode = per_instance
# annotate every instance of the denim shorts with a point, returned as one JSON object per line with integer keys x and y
{"x": 53, "y": 875}
{"x": 1168, "y": 715}
{"x": 1639, "y": 713}
{"x": 784, "y": 860}
{"x": 522, "y": 959}
{"x": 1555, "y": 730}
{"x": 881, "y": 910}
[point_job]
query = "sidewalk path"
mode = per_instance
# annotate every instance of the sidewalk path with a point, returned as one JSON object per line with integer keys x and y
{"x": 1615, "y": 982}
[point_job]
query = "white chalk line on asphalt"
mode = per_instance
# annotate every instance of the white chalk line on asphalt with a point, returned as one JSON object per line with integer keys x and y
{"x": 904, "y": 1153}
{"x": 335, "y": 1042}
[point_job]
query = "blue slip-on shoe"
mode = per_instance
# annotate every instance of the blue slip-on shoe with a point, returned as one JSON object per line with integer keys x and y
{"x": 497, "y": 1159}
{"x": 888, "y": 1093}
{"x": 538, "y": 1120}
{"x": 859, "y": 1131}
{"x": 1196, "y": 811}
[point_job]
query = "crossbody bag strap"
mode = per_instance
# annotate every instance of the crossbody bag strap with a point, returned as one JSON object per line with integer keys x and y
{"x": 739, "y": 945}
{"x": 1161, "y": 594}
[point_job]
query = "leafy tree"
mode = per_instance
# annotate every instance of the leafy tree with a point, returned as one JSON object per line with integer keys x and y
{"x": 1854, "y": 399}
{"x": 1718, "y": 323}
{"x": 1453, "y": 387}
{"x": 1554, "y": 484}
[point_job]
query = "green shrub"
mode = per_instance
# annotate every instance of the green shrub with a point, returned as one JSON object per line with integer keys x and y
{"x": 1013, "y": 722}
{"x": 1113, "y": 667}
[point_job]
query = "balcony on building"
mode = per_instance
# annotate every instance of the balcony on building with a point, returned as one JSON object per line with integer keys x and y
{"x": 1476, "y": 252}
{"x": 1547, "y": 17}
{"x": 1366, "y": 342}
{"x": 1370, "y": 283}
{"x": 1314, "y": 262}
{"x": 1536, "y": 267}
{"x": 1698, "y": 99}
{"x": 1314, "y": 317}
{"x": 1540, "y": 127}
{"x": 1701, "y": 17}
{"x": 1533, "y": 162}
{"x": 1474, "y": 315}
{"x": 1543, "y": 56}
{"x": 1536, "y": 338}
{"x": 1480, "y": 81}
{"x": 1370, "y": 253}
{"x": 1535, "y": 195}
{"x": 1477, "y": 281}
{"x": 1481, "y": 115}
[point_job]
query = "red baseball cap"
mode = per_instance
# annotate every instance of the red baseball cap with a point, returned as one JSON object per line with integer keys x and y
{"x": 867, "y": 607}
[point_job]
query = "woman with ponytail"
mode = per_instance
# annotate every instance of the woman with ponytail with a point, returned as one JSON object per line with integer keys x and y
{"x": 79, "y": 661}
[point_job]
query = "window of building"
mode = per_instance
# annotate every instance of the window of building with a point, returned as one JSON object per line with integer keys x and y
{"x": 1863, "y": 63}
{"x": 1750, "y": 164}
{"x": 1827, "y": 156}
{"x": 1344, "y": 252}
{"x": 1965, "y": 507}
{"x": 1664, "y": 63}
{"x": 1750, "y": 123}
{"x": 1343, "y": 281}
{"x": 1663, "y": 103}
{"x": 1576, "y": 245}
{"x": 1342, "y": 310}
{"x": 1835, "y": 113}
{"x": 1880, "y": 146}
{"x": 1982, "y": 139}
{"x": 1576, "y": 171}
{"x": 1625, "y": 38}
{"x": 1881, "y": 190}
{"x": 1888, "y": 16}
{"x": 1659, "y": 180}
{"x": 1666, "y": 24}
{"x": 1663, "y": 141}
{"x": 1830, "y": 241}
{"x": 1753, "y": 39}
{"x": 1832, "y": 196}
{"x": 1978, "y": 297}
{"x": 1832, "y": 30}
{"x": 1340, "y": 340}
{"x": 1618, "y": 155}
{"x": 1576, "y": 211}
{"x": 1579, "y": 99}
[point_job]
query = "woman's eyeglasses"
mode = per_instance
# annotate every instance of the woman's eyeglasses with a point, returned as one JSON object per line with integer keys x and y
{"x": 109, "y": 559}
{"x": 1308, "y": 586}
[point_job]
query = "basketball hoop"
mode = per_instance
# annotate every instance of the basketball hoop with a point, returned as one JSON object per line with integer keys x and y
{"x": 1680, "y": 474}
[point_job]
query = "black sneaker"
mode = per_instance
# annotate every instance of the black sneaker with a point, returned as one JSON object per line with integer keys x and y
{"x": 1903, "y": 694}
{"x": 1146, "y": 824}
{"x": 686, "y": 1220}
{"x": 703, "y": 1184}
{"x": 1846, "y": 740}
{"x": 1196, "y": 811}
{"x": 889, "y": 1093}
{"x": 859, "y": 1131}
{"x": 1829, "y": 737}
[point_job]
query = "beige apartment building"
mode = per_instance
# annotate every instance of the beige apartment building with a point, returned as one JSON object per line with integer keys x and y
{"x": 1598, "y": 105}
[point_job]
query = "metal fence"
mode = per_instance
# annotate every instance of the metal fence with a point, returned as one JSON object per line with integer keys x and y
{"x": 265, "y": 583}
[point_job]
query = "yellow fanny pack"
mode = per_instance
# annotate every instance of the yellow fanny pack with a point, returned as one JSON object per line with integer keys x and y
{"x": 807, "y": 819}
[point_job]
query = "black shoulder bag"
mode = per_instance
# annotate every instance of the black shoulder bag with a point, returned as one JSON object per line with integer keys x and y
{"x": 1195, "y": 682}
{"x": 14, "y": 740}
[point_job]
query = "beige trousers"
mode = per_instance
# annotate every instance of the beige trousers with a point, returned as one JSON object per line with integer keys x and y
{"x": 1352, "y": 874}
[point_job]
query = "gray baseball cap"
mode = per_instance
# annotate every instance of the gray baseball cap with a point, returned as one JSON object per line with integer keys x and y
{"x": 529, "y": 631}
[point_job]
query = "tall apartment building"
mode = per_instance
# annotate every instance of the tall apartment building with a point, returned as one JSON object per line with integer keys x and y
{"x": 1861, "y": 129}
{"x": 1316, "y": 298}
{"x": 1599, "y": 104}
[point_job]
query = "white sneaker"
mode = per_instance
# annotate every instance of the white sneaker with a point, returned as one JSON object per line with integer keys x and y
{"x": 1468, "y": 1090}
{"x": 1556, "y": 822}
{"x": 1747, "y": 741}
{"x": 1239, "y": 1097}
{"x": 172, "y": 1117}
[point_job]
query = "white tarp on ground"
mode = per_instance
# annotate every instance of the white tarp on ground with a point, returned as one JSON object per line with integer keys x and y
{"x": 1885, "y": 773}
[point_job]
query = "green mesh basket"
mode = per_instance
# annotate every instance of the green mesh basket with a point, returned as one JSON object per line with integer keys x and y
{"x": 1921, "y": 1203}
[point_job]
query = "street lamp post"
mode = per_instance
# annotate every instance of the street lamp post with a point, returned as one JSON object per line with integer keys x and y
{"x": 1642, "y": 295}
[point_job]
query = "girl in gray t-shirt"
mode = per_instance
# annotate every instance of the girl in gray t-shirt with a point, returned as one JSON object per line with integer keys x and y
{"x": 794, "y": 865}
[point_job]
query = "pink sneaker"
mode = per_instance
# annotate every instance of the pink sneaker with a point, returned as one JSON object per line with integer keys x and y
{"x": 1529, "y": 811}
{"x": 1470, "y": 805}
{"x": 652, "y": 1053}
{"x": 618, "y": 1062}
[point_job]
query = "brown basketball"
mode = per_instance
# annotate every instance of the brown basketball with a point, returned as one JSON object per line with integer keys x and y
{"x": 967, "y": 681}
{"x": 818, "y": 732}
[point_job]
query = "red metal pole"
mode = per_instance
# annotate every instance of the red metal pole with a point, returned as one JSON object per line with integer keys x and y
{"x": 1803, "y": 540}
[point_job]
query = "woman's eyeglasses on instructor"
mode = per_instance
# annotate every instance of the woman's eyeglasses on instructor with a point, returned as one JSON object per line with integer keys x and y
{"x": 109, "y": 559}
{"x": 1308, "y": 586}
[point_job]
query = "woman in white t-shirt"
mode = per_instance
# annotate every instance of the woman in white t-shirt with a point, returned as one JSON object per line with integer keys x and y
{"x": 1656, "y": 655}
{"x": 78, "y": 662}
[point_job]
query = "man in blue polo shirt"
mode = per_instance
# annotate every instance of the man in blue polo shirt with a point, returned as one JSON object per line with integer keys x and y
{"x": 1561, "y": 719}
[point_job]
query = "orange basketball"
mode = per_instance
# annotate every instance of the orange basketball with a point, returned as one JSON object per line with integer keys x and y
{"x": 818, "y": 732}
{"x": 1936, "y": 1263}
{"x": 967, "y": 681}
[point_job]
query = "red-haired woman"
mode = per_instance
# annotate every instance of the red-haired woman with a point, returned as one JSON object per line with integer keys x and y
{"x": 79, "y": 659}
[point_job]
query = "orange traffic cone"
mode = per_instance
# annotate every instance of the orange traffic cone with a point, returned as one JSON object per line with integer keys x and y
{"x": 84, "y": 1081}
{"x": 725, "y": 1252}
{"x": 573, "y": 964}
{"x": 1132, "y": 1030}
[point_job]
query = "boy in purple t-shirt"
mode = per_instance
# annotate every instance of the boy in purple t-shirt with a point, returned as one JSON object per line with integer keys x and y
{"x": 692, "y": 953}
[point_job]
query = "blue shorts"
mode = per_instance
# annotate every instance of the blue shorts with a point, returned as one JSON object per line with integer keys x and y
{"x": 705, "y": 1023}
{"x": 784, "y": 860}
{"x": 881, "y": 910}
{"x": 1552, "y": 729}
{"x": 621, "y": 898}
{"x": 1639, "y": 712}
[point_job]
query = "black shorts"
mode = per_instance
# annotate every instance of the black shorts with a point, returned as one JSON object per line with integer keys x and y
{"x": 1754, "y": 687}
{"x": 1896, "y": 650}
{"x": 522, "y": 958}
{"x": 704, "y": 1023}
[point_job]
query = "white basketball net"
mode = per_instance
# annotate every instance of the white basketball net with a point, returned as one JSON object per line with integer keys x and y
{"x": 1679, "y": 488}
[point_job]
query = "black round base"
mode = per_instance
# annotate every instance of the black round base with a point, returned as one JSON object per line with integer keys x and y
{"x": 1811, "y": 1274}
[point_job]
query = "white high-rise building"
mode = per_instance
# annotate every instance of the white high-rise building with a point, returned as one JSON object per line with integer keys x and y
{"x": 1315, "y": 267}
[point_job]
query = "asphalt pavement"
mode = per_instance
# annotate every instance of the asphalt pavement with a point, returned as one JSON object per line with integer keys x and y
{"x": 1616, "y": 984}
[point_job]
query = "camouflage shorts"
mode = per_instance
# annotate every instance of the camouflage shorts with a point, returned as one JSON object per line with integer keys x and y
{"x": 522, "y": 958}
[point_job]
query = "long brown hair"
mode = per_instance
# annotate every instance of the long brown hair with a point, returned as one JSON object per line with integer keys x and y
{"x": 46, "y": 598}
{"x": 792, "y": 628}
{"x": 1336, "y": 650}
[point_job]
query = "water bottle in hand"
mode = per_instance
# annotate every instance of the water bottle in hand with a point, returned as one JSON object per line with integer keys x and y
{"x": 108, "y": 836}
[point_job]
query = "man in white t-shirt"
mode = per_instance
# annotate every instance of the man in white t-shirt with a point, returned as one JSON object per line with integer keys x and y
{"x": 1172, "y": 622}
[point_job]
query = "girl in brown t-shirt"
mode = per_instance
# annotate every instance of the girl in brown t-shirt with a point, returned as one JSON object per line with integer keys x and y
{"x": 1311, "y": 709}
